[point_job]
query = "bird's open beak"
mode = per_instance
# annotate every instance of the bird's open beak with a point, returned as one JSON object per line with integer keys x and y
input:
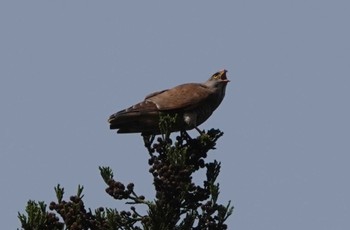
{"x": 224, "y": 77}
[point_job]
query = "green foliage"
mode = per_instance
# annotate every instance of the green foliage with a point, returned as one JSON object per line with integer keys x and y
{"x": 179, "y": 203}
{"x": 38, "y": 218}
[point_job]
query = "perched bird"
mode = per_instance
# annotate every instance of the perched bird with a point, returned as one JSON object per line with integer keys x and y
{"x": 192, "y": 102}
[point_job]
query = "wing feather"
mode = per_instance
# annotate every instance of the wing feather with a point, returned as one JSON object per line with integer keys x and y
{"x": 184, "y": 96}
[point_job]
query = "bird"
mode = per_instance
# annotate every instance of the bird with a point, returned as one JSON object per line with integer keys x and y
{"x": 191, "y": 104}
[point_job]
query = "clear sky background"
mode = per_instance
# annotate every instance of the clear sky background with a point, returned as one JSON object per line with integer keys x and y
{"x": 65, "y": 66}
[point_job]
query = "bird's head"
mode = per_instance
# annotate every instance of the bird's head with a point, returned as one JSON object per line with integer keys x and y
{"x": 218, "y": 79}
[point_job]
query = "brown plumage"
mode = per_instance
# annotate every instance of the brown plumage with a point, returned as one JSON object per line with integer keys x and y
{"x": 193, "y": 103}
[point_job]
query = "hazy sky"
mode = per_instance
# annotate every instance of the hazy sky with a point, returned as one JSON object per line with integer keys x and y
{"x": 65, "y": 66}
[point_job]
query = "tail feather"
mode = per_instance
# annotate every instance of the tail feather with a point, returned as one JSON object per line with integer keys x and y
{"x": 142, "y": 117}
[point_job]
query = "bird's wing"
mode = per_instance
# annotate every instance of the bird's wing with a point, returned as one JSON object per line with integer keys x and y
{"x": 155, "y": 93}
{"x": 184, "y": 96}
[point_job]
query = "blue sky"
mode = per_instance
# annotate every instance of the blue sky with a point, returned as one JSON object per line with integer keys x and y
{"x": 67, "y": 65}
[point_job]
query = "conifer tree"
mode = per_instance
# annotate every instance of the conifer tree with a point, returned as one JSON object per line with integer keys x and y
{"x": 179, "y": 203}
